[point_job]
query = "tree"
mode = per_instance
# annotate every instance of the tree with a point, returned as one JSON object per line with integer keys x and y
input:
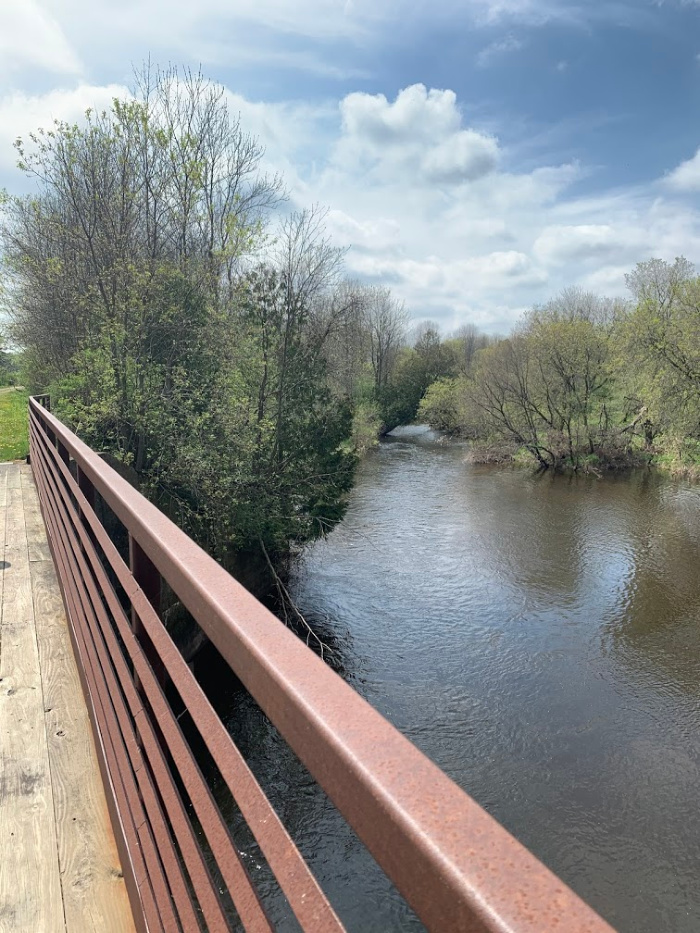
{"x": 466, "y": 343}
{"x": 141, "y": 217}
{"x": 661, "y": 338}
{"x": 174, "y": 327}
{"x": 416, "y": 369}
{"x": 548, "y": 387}
{"x": 385, "y": 321}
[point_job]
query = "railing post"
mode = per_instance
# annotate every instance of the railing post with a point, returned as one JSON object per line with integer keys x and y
{"x": 63, "y": 453}
{"x": 147, "y": 576}
{"x": 86, "y": 487}
{"x": 88, "y": 490}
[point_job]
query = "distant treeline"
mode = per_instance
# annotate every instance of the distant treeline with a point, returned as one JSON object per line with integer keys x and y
{"x": 587, "y": 383}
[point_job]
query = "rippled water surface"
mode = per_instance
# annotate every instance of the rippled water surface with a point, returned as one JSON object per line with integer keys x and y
{"x": 539, "y": 638}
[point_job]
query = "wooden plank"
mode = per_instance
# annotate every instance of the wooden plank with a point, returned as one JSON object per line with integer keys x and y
{"x": 37, "y": 545}
{"x": 3, "y": 515}
{"x": 22, "y": 729}
{"x": 59, "y": 866}
{"x": 94, "y": 892}
{"x": 17, "y": 593}
{"x": 13, "y": 481}
{"x": 30, "y": 889}
{"x": 47, "y": 600}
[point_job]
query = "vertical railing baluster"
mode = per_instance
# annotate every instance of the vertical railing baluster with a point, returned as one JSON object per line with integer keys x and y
{"x": 63, "y": 453}
{"x": 147, "y": 576}
{"x": 86, "y": 486}
{"x": 88, "y": 490}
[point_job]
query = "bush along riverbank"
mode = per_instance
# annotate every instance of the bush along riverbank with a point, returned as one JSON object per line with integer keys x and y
{"x": 587, "y": 384}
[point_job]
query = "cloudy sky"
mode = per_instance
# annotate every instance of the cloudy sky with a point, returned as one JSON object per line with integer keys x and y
{"x": 475, "y": 155}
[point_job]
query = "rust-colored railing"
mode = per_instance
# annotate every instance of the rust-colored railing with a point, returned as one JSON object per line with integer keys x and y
{"x": 457, "y": 868}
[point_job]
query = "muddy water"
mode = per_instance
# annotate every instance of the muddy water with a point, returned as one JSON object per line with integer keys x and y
{"x": 538, "y": 638}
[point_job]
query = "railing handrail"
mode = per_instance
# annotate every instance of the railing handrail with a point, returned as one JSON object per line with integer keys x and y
{"x": 455, "y": 865}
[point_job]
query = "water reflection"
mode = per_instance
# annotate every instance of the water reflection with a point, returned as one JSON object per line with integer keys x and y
{"x": 538, "y": 638}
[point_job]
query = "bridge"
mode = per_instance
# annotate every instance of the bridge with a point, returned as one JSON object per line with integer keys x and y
{"x": 107, "y": 821}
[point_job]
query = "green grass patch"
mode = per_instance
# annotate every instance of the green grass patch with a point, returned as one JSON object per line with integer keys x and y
{"x": 681, "y": 458}
{"x": 14, "y": 425}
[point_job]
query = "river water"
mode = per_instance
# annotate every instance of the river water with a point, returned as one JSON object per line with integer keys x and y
{"x": 538, "y": 637}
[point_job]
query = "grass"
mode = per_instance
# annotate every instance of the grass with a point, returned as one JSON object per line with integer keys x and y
{"x": 681, "y": 459}
{"x": 14, "y": 430}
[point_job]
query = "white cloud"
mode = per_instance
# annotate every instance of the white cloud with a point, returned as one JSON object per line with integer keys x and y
{"x": 560, "y": 244}
{"x": 686, "y": 176}
{"x": 465, "y": 156}
{"x": 318, "y": 19}
{"x": 463, "y": 242}
{"x": 300, "y": 36}
{"x": 415, "y": 114}
{"x": 21, "y": 114}
{"x": 533, "y": 12}
{"x": 418, "y": 135}
{"x": 497, "y": 49}
{"x": 377, "y": 234}
{"x": 424, "y": 205}
{"x": 315, "y": 35}
{"x": 31, "y": 37}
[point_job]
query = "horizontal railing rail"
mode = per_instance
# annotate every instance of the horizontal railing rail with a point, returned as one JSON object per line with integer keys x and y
{"x": 456, "y": 867}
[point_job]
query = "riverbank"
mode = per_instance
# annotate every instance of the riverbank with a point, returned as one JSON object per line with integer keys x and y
{"x": 677, "y": 461}
{"x": 597, "y": 461}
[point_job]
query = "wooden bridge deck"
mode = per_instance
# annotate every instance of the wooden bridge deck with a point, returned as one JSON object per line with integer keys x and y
{"x": 59, "y": 867}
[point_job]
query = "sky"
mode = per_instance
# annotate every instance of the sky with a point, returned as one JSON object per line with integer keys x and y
{"x": 476, "y": 156}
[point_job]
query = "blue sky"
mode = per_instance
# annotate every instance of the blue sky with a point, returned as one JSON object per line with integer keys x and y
{"x": 476, "y": 156}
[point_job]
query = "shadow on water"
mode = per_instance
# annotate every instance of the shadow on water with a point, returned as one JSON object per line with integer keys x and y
{"x": 538, "y": 637}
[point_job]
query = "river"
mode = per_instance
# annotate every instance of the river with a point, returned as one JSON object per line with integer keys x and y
{"x": 538, "y": 637}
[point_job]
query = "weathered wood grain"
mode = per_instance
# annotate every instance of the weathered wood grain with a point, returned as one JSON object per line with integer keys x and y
{"x": 37, "y": 545}
{"x": 94, "y": 893}
{"x": 30, "y": 889}
{"x": 59, "y": 867}
{"x": 3, "y": 519}
{"x": 17, "y": 591}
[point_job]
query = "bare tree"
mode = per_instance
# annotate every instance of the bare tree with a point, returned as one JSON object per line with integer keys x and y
{"x": 469, "y": 341}
{"x": 386, "y": 321}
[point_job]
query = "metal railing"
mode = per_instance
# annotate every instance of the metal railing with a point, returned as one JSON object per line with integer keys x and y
{"x": 456, "y": 867}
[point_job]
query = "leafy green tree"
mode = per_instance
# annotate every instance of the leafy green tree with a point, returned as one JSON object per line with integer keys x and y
{"x": 175, "y": 328}
{"x": 549, "y": 387}
{"x": 416, "y": 369}
{"x": 660, "y": 347}
{"x": 444, "y": 406}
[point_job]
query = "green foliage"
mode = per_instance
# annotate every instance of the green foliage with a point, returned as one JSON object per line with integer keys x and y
{"x": 366, "y": 426}
{"x": 173, "y": 330}
{"x": 416, "y": 369}
{"x": 659, "y": 342}
{"x": 585, "y": 383}
{"x": 9, "y": 368}
{"x": 548, "y": 389}
{"x": 442, "y": 406}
